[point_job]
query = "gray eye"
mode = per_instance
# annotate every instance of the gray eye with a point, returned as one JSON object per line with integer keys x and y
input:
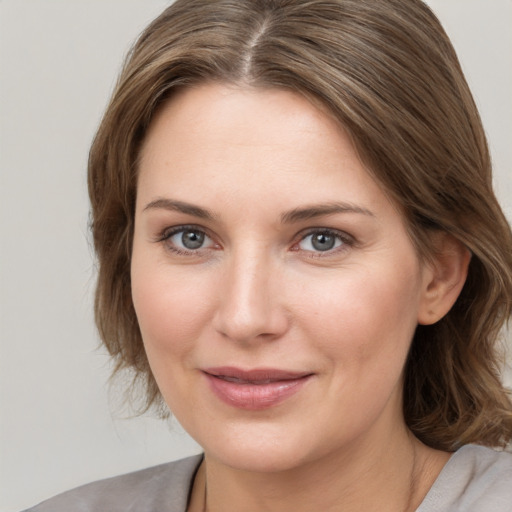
{"x": 320, "y": 241}
{"x": 189, "y": 239}
{"x": 192, "y": 239}
{"x": 323, "y": 241}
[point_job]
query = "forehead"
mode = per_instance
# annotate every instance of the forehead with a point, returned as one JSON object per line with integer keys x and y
{"x": 216, "y": 139}
{"x": 239, "y": 112}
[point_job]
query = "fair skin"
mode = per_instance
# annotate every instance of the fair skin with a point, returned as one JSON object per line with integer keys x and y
{"x": 277, "y": 292}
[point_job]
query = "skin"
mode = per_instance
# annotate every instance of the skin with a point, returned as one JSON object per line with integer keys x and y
{"x": 259, "y": 294}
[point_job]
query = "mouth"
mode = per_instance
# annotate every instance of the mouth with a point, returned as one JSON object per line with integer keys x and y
{"x": 255, "y": 389}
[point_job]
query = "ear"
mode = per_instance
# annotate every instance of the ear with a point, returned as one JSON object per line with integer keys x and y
{"x": 443, "y": 277}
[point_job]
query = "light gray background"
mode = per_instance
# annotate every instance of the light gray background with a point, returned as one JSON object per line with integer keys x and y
{"x": 58, "y": 63}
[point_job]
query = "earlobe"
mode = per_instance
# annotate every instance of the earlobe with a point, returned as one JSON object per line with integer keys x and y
{"x": 443, "y": 278}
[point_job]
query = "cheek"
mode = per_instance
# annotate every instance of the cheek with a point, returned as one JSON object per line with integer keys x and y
{"x": 366, "y": 317}
{"x": 171, "y": 318}
{"x": 168, "y": 308}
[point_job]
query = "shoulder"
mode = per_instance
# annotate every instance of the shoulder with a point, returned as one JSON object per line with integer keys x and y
{"x": 164, "y": 487}
{"x": 475, "y": 479}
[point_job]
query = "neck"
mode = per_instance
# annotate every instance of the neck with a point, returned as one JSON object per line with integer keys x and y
{"x": 392, "y": 476}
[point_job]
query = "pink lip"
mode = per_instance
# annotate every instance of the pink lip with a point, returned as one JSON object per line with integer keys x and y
{"x": 254, "y": 389}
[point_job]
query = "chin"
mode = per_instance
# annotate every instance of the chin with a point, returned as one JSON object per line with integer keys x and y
{"x": 268, "y": 460}
{"x": 262, "y": 448}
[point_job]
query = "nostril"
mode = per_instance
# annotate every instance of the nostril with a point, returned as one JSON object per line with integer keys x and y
{"x": 249, "y": 306}
{"x": 247, "y": 323}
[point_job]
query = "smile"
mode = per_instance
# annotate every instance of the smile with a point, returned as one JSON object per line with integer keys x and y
{"x": 254, "y": 389}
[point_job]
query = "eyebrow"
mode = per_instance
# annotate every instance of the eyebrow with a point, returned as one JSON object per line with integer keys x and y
{"x": 318, "y": 210}
{"x": 290, "y": 217}
{"x": 179, "y": 206}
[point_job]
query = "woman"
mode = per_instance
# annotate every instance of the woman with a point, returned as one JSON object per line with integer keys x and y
{"x": 300, "y": 253}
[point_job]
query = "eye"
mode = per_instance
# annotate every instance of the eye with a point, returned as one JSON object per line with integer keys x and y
{"x": 186, "y": 239}
{"x": 322, "y": 241}
{"x": 189, "y": 239}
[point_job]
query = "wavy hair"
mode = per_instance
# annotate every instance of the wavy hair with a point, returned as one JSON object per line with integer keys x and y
{"x": 388, "y": 73}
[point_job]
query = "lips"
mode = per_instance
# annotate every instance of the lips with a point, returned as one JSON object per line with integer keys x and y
{"x": 254, "y": 389}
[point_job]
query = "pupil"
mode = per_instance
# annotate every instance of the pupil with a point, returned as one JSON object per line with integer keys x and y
{"x": 192, "y": 239}
{"x": 323, "y": 242}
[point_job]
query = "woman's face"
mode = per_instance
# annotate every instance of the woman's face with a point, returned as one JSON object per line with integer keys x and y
{"x": 276, "y": 288}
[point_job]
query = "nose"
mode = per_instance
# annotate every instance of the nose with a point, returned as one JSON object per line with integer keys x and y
{"x": 250, "y": 306}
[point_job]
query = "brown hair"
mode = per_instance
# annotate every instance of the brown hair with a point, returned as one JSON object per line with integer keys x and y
{"x": 388, "y": 73}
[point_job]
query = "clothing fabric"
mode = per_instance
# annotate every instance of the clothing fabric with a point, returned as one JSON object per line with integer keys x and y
{"x": 163, "y": 488}
{"x": 475, "y": 479}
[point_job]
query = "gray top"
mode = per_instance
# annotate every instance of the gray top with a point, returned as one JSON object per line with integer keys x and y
{"x": 475, "y": 479}
{"x": 163, "y": 488}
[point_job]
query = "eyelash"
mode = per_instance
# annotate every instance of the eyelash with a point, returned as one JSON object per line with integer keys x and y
{"x": 347, "y": 241}
{"x": 165, "y": 236}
